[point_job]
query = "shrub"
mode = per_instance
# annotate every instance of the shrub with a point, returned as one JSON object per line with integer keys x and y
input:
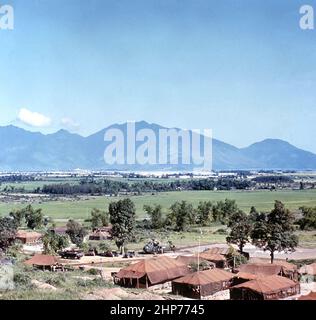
{"x": 22, "y": 280}
{"x": 93, "y": 272}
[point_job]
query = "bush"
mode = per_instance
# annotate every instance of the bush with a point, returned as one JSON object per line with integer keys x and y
{"x": 22, "y": 280}
{"x": 58, "y": 280}
{"x": 93, "y": 272}
{"x": 97, "y": 282}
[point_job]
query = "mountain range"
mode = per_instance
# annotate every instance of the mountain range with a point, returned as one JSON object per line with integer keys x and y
{"x": 22, "y": 150}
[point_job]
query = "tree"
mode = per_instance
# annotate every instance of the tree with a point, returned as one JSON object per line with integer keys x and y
{"x": 235, "y": 258}
{"x": 104, "y": 247}
{"x": 34, "y": 217}
{"x": 222, "y": 210}
{"x": 53, "y": 242}
{"x": 8, "y": 231}
{"x": 155, "y": 213}
{"x": 99, "y": 218}
{"x": 203, "y": 212}
{"x": 76, "y": 232}
{"x": 122, "y": 218}
{"x": 240, "y": 226}
{"x": 308, "y": 221}
{"x": 253, "y": 214}
{"x": 182, "y": 214}
{"x": 18, "y": 217}
{"x": 275, "y": 231}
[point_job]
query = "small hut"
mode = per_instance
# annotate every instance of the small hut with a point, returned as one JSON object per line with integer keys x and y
{"x": 62, "y": 231}
{"x": 150, "y": 272}
{"x": 218, "y": 259}
{"x": 281, "y": 268}
{"x": 289, "y": 270}
{"x": 27, "y": 237}
{"x": 44, "y": 262}
{"x": 226, "y": 252}
{"x": 217, "y": 250}
{"x": 103, "y": 233}
{"x": 202, "y": 283}
{"x": 265, "y": 288}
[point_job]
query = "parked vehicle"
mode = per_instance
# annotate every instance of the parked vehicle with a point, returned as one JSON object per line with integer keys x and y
{"x": 109, "y": 254}
{"x": 129, "y": 254}
{"x": 71, "y": 254}
{"x": 153, "y": 247}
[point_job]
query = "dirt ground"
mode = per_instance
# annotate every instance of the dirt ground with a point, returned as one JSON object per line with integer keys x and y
{"x": 300, "y": 253}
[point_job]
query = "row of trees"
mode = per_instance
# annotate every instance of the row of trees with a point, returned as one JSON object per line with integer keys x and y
{"x": 115, "y": 187}
{"x": 182, "y": 214}
{"x": 16, "y": 178}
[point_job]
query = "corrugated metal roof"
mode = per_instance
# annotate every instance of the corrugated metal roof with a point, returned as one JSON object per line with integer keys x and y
{"x": 205, "y": 277}
{"x": 42, "y": 260}
{"x": 217, "y": 250}
{"x": 28, "y": 234}
{"x": 157, "y": 269}
{"x": 268, "y": 285}
{"x": 260, "y": 269}
{"x": 246, "y": 276}
{"x": 212, "y": 256}
{"x": 189, "y": 259}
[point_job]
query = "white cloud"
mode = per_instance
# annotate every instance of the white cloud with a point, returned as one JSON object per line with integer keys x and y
{"x": 70, "y": 124}
{"x": 33, "y": 119}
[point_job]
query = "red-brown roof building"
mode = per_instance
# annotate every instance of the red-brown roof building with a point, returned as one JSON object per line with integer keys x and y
{"x": 202, "y": 283}
{"x": 149, "y": 272}
{"x": 43, "y": 261}
{"x": 265, "y": 288}
{"x": 27, "y": 237}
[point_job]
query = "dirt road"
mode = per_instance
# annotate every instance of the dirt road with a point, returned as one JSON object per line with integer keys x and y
{"x": 300, "y": 253}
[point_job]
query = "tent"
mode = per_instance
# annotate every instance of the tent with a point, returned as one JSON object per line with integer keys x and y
{"x": 265, "y": 288}
{"x": 149, "y": 272}
{"x": 281, "y": 268}
{"x": 43, "y": 261}
{"x": 218, "y": 259}
{"x": 202, "y": 283}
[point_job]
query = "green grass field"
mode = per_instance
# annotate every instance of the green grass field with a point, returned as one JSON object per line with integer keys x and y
{"x": 262, "y": 200}
{"x": 29, "y": 186}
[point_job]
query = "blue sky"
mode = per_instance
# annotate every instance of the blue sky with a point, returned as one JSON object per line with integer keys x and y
{"x": 243, "y": 68}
